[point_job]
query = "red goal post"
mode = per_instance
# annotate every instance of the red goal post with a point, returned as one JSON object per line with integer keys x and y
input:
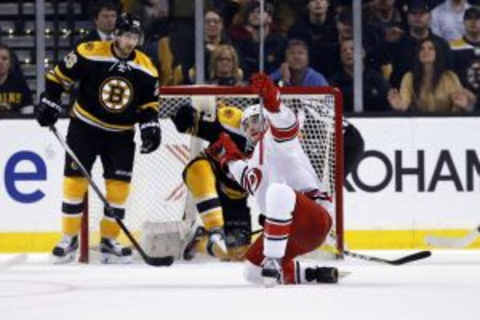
{"x": 158, "y": 193}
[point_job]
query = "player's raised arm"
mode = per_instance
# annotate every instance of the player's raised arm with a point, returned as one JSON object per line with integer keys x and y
{"x": 284, "y": 125}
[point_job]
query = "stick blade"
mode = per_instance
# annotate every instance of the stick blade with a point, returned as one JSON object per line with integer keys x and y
{"x": 160, "y": 261}
{"x": 412, "y": 257}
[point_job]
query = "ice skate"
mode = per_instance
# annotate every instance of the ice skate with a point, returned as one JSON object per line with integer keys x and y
{"x": 271, "y": 272}
{"x": 66, "y": 250}
{"x": 189, "y": 251}
{"x": 113, "y": 252}
{"x": 322, "y": 274}
{"x": 217, "y": 236}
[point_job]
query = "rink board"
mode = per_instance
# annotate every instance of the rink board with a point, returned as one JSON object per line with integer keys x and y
{"x": 418, "y": 175}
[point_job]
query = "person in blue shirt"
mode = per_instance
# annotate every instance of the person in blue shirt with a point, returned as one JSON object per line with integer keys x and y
{"x": 296, "y": 70}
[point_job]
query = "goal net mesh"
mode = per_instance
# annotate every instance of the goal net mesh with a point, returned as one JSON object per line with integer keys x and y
{"x": 158, "y": 193}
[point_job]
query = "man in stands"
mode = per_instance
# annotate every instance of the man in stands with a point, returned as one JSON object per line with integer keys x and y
{"x": 296, "y": 70}
{"x": 104, "y": 17}
{"x": 280, "y": 177}
{"x": 466, "y": 53}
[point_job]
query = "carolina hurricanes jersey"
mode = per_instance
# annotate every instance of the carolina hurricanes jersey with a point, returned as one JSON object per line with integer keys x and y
{"x": 277, "y": 158}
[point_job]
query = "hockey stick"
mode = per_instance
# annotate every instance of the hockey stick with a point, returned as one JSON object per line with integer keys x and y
{"x": 405, "y": 259}
{"x": 449, "y": 242}
{"x": 153, "y": 261}
{"x": 396, "y": 262}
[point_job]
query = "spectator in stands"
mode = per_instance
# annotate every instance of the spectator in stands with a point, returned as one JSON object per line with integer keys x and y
{"x": 214, "y": 31}
{"x": 246, "y": 38}
{"x": 466, "y": 52}
{"x": 430, "y": 86}
{"x": 295, "y": 71}
{"x": 447, "y": 19}
{"x": 104, "y": 17}
{"x": 15, "y": 96}
{"x": 318, "y": 29}
{"x": 224, "y": 69}
{"x": 171, "y": 52}
{"x": 384, "y": 15}
{"x": 372, "y": 39}
{"x": 230, "y": 10}
{"x": 402, "y": 52}
{"x": 375, "y": 87}
{"x": 154, "y": 15}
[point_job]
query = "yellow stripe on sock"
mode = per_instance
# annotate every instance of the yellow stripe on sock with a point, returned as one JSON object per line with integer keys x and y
{"x": 109, "y": 229}
{"x": 71, "y": 225}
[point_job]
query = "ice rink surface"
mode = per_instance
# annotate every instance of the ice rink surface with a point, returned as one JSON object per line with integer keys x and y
{"x": 444, "y": 286}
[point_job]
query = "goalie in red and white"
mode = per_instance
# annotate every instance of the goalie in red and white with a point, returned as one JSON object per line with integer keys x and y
{"x": 280, "y": 177}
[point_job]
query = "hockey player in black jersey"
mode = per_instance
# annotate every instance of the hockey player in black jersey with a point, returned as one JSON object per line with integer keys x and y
{"x": 117, "y": 89}
{"x": 220, "y": 201}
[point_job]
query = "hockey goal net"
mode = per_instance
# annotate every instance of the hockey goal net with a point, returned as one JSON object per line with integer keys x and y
{"x": 157, "y": 190}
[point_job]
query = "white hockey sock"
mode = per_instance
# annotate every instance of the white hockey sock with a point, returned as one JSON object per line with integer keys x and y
{"x": 280, "y": 203}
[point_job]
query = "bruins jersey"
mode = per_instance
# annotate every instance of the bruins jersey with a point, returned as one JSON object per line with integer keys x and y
{"x": 467, "y": 62}
{"x": 228, "y": 119}
{"x": 112, "y": 92}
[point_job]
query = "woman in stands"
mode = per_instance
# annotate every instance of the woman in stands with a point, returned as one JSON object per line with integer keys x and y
{"x": 224, "y": 69}
{"x": 430, "y": 86}
{"x": 15, "y": 96}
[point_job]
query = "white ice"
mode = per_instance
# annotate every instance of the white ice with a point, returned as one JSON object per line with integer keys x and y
{"x": 444, "y": 286}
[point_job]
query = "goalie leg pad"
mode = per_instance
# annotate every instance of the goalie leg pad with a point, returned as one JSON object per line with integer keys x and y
{"x": 160, "y": 239}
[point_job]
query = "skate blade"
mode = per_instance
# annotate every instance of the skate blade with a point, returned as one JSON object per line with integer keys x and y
{"x": 269, "y": 282}
{"x": 113, "y": 259}
{"x": 70, "y": 257}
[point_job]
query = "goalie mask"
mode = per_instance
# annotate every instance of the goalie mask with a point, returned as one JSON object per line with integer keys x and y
{"x": 253, "y": 123}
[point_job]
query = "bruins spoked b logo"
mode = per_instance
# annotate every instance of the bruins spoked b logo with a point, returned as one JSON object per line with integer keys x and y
{"x": 115, "y": 94}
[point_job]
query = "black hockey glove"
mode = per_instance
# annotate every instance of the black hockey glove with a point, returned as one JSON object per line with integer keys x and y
{"x": 184, "y": 119}
{"x": 47, "y": 111}
{"x": 151, "y": 136}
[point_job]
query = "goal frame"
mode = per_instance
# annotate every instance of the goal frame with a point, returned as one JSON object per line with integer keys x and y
{"x": 206, "y": 90}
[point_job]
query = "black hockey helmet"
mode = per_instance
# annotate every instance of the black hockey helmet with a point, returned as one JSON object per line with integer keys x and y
{"x": 128, "y": 23}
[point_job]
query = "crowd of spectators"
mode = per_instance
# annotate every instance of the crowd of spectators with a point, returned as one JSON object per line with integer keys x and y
{"x": 418, "y": 55}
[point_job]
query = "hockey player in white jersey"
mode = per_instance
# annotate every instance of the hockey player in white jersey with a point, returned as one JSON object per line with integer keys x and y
{"x": 283, "y": 182}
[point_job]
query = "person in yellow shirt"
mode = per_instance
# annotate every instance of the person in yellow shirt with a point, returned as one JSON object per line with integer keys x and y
{"x": 430, "y": 86}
